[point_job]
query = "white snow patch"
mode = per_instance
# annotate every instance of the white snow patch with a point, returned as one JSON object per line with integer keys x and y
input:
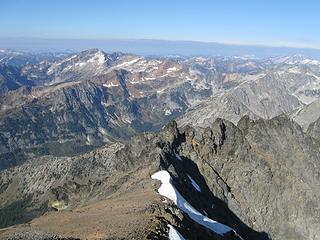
{"x": 172, "y": 69}
{"x": 295, "y": 70}
{"x": 50, "y": 70}
{"x": 56, "y": 65}
{"x": 103, "y": 131}
{"x": 128, "y": 63}
{"x": 200, "y": 59}
{"x": 104, "y": 104}
{"x": 193, "y": 182}
{"x": 178, "y": 157}
{"x": 174, "y": 234}
{"x": 98, "y": 58}
{"x": 189, "y": 78}
{"x": 80, "y": 64}
{"x": 34, "y": 75}
{"x": 311, "y": 62}
{"x": 70, "y": 58}
{"x": 67, "y": 68}
{"x": 167, "y": 112}
{"x": 168, "y": 190}
{"x": 110, "y": 85}
{"x": 134, "y": 82}
{"x": 152, "y": 69}
{"x": 149, "y": 78}
{"x": 89, "y": 139}
{"x": 160, "y": 91}
{"x": 164, "y": 75}
{"x": 126, "y": 120}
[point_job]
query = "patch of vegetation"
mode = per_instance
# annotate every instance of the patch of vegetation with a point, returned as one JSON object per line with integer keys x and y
{"x": 21, "y": 211}
{"x": 11, "y": 159}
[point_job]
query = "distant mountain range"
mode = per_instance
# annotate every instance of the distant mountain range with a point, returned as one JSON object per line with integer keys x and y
{"x": 151, "y": 47}
{"x": 235, "y": 139}
{"x": 92, "y": 98}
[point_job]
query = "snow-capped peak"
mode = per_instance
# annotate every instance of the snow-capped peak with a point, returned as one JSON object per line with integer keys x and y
{"x": 98, "y": 58}
{"x": 295, "y": 59}
{"x": 311, "y": 61}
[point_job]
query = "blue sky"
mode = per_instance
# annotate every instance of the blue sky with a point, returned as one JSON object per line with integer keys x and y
{"x": 266, "y": 22}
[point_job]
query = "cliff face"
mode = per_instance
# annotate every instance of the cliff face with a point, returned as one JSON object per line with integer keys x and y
{"x": 271, "y": 166}
{"x": 260, "y": 178}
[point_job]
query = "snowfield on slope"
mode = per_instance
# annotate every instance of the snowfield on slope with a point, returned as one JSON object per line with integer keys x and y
{"x": 194, "y": 184}
{"x": 174, "y": 234}
{"x": 169, "y": 191}
{"x": 178, "y": 157}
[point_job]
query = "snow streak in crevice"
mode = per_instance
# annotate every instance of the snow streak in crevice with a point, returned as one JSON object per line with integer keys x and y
{"x": 169, "y": 191}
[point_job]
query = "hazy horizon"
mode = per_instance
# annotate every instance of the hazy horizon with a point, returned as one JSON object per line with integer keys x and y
{"x": 154, "y": 47}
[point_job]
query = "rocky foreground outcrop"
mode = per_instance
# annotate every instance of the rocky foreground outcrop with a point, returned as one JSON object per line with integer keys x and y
{"x": 261, "y": 178}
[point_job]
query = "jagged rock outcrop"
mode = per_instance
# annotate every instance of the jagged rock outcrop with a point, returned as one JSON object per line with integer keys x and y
{"x": 260, "y": 177}
{"x": 272, "y": 167}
